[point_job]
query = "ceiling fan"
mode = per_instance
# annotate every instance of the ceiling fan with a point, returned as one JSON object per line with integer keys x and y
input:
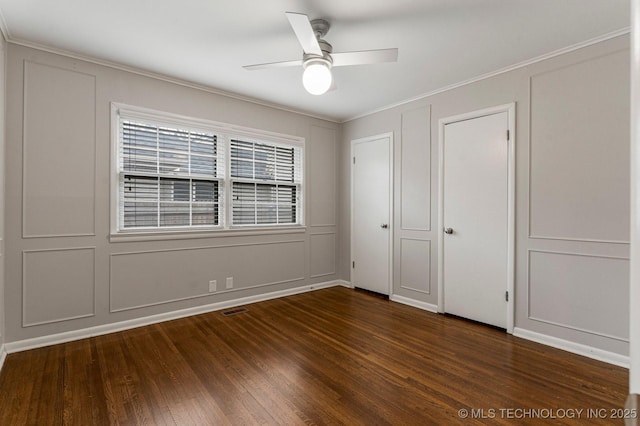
{"x": 318, "y": 57}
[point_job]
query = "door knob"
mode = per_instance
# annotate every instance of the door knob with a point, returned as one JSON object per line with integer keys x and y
{"x": 448, "y": 231}
{"x": 384, "y": 226}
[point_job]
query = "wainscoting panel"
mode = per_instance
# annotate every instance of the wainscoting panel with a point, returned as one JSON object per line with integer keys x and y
{"x": 59, "y": 152}
{"x": 139, "y": 279}
{"x": 415, "y": 265}
{"x": 321, "y": 153}
{"x": 57, "y": 285}
{"x": 323, "y": 254}
{"x": 415, "y": 170}
{"x": 582, "y": 292}
{"x": 578, "y": 149}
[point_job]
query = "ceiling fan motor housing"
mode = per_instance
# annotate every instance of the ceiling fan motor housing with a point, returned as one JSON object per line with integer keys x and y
{"x": 326, "y": 54}
{"x": 320, "y": 27}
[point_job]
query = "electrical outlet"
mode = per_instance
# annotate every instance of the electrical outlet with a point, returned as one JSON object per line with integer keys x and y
{"x": 213, "y": 286}
{"x": 229, "y": 282}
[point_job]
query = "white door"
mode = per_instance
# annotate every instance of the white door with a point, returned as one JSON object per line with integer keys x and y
{"x": 475, "y": 218}
{"x": 371, "y": 213}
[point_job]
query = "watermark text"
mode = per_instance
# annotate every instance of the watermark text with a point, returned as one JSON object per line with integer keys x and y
{"x": 548, "y": 413}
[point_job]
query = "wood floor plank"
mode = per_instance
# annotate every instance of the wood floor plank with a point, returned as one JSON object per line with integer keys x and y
{"x": 332, "y": 356}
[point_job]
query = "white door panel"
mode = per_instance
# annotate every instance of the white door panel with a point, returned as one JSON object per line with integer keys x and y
{"x": 475, "y": 207}
{"x": 371, "y": 221}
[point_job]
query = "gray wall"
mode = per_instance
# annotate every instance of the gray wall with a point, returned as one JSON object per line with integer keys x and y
{"x": 572, "y": 191}
{"x": 63, "y": 273}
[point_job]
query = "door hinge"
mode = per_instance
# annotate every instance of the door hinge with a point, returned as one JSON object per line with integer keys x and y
{"x": 353, "y": 264}
{"x": 354, "y": 160}
{"x": 508, "y": 135}
{"x": 506, "y": 296}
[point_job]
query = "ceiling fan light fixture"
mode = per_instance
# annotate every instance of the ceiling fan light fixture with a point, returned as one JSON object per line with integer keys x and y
{"x": 317, "y": 77}
{"x": 318, "y": 58}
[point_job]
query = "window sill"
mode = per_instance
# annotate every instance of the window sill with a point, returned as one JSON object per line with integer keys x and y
{"x": 136, "y": 236}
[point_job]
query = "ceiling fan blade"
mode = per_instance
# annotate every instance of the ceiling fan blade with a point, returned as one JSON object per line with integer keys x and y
{"x": 273, "y": 65}
{"x": 302, "y": 27}
{"x": 364, "y": 57}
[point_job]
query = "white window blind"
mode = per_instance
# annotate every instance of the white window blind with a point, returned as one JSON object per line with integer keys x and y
{"x": 168, "y": 176}
{"x": 266, "y": 183}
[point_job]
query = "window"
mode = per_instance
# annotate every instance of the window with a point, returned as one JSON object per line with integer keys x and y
{"x": 169, "y": 177}
{"x": 178, "y": 173}
{"x": 265, "y": 183}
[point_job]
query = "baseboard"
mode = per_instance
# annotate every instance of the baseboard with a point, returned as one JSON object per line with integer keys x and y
{"x": 3, "y": 356}
{"x": 415, "y": 303}
{"x": 576, "y": 348}
{"x": 69, "y": 336}
{"x": 344, "y": 283}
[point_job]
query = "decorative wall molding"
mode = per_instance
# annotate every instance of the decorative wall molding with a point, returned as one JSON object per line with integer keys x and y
{"x": 574, "y": 240}
{"x": 582, "y": 330}
{"x": 314, "y": 147}
{"x": 315, "y": 234}
{"x": 530, "y": 233}
{"x": 24, "y": 286}
{"x": 195, "y": 296}
{"x": 428, "y": 275}
{"x": 573, "y": 253}
{"x": 576, "y": 348}
{"x": 557, "y": 324}
{"x": 25, "y": 165}
{"x": 205, "y": 247}
{"x": 404, "y": 117}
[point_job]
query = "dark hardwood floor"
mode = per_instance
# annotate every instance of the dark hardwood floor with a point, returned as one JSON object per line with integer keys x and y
{"x": 333, "y": 356}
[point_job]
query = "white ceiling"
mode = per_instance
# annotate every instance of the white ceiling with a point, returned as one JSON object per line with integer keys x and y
{"x": 441, "y": 42}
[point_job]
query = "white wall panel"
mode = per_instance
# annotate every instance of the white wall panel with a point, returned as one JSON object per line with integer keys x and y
{"x": 322, "y": 253}
{"x": 148, "y": 278}
{"x": 415, "y": 170}
{"x": 582, "y": 292}
{"x": 59, "y": 152}
{"x": 415, "y": 265}
{"x": 579, "y": 151}
{"x": 57, "y": 285}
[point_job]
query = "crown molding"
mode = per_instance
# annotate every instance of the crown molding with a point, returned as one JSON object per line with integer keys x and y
{"x": 6, "y": 33}
{"x": 553, "y": 54}
{"x": 157, "y": 76}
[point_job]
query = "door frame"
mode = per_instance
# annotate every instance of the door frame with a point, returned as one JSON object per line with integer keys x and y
{"x": 354, "y": 142}
{"x": 510, "y": 109}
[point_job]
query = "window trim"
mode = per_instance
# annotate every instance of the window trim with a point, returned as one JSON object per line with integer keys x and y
{"x": 227, "y": 131}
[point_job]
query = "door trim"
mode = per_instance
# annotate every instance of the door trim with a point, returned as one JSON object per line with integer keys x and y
{"x": 510, "y": 109}
{"x": 354, "y": 142}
